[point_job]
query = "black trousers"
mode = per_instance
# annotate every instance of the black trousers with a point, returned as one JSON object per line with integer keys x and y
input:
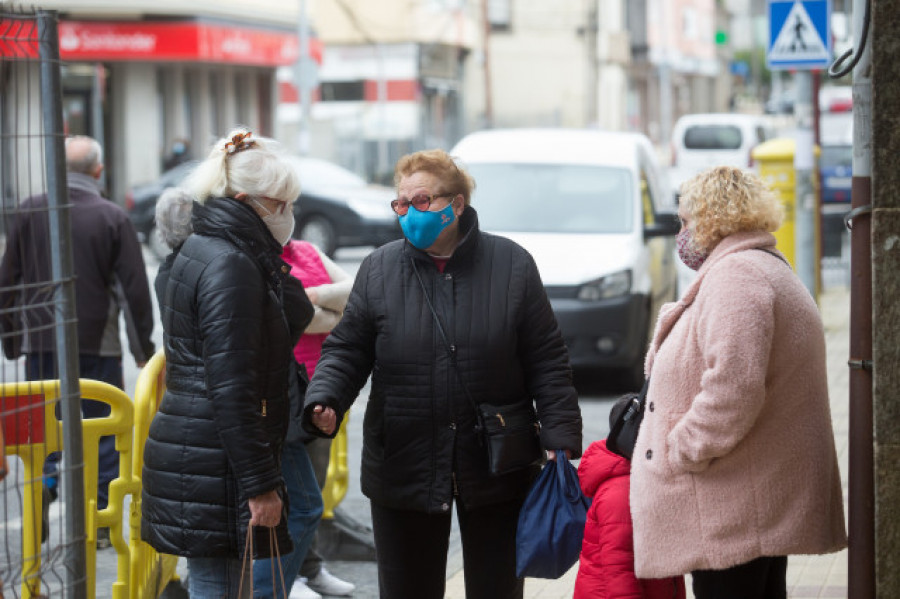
{"x": 762, "y": 578}
{"x": 412, "y": 551}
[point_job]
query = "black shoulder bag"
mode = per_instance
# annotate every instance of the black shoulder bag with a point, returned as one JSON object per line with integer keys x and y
{"x": 625, "y": 419}
{"x": 511, "y": 433}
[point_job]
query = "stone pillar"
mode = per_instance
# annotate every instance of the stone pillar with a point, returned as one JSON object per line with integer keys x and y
{"x": 884, "y": 40}
{"x": 174, "y": 105}
{"x": 200, "y": 101}
{"x": 228, "y": 101}
{"x": 136, "y": 145}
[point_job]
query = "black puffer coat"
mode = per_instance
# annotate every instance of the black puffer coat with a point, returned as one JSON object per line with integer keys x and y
{"x": 216, "y": 439}
{"x": 419, "y": 427}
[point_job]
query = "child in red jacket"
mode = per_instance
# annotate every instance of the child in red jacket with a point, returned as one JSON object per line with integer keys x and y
{"x": 606, "y": 568}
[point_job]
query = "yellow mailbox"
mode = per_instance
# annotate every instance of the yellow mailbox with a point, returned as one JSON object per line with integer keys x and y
{"x": 776, "y": 167}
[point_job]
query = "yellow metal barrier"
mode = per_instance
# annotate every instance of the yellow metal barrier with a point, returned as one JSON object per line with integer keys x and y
{"x": 338, "y": 478}
{"x": 151, "y": 571}
{"x": 33, "y": 432}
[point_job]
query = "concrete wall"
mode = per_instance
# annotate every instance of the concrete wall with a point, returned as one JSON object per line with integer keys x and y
{"x": 885, "y": 43}
{"x": 537, "y": 68}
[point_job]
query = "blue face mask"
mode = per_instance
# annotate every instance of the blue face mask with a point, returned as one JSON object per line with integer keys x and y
{"x": 422, "y": 228}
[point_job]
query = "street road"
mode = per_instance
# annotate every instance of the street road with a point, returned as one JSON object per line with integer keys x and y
{"x": 595, "y": 398}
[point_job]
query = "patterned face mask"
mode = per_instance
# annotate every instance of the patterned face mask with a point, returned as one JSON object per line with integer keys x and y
{"x": 692, "y": 257}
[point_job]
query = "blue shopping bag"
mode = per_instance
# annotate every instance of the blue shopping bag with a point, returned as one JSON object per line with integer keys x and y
{"x": 551, "y": 522}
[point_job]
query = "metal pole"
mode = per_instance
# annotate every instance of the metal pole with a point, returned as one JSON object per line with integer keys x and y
{"x": 486, "y": 51}
{"x": 381, "y": 99}
{"x": 98, "y": 132}
{"x": 62, "y": 267}
{"x": 303, "y": 82}
{"x": 804, "y": 163}
{"x": 665, "y": 78}
{"x": 817, "y": 174}
{"x": 861, "y": 555}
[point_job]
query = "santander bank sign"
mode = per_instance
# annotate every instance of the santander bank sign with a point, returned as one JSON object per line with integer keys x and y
{"x": 84, "y": 39}
{"x": 179, "y": 41}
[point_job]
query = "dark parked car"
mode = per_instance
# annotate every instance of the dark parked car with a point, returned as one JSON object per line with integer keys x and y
{"x": 336, "y": 208}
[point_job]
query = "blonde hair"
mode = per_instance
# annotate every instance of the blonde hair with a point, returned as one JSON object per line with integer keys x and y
{"x": 241, "y": 163}
{"x": 439, "y": 163}
{"x": 725, "y": 200}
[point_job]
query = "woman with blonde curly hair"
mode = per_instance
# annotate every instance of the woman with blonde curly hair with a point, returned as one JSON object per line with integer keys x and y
{"x": 735, "y": 466}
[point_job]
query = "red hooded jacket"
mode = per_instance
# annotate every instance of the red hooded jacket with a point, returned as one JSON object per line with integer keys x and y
{"x": 607, "y": 552}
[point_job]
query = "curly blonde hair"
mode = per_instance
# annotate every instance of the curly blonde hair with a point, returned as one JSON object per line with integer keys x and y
{"x": 725, "y": 200}
{"x": 440, "y": 164}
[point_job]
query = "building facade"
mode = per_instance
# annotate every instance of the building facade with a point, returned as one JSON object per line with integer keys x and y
{"x": 391, "y": 81}
{"x": 141, "y": 76}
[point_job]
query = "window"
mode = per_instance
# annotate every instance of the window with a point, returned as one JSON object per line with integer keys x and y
{"x": 713, "y": 137}
{"x": 342, "y": 91}
{"x": 553, "y": 198}
{"x": 500, "y": 14}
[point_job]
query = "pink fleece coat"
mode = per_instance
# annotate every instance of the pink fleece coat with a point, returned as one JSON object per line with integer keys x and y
{"x": 735, "y": 458}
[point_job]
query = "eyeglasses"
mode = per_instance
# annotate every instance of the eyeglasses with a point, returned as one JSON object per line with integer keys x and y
{"x": 420, "y": 202}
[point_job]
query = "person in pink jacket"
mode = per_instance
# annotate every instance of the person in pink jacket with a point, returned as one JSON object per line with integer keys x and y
{"x": 735, "y": 466}
{"x": 328, "y": 286}
{"x": 606, "y": 568}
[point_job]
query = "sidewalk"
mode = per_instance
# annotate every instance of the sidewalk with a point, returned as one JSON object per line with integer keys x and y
{"x": 808, "y": 576}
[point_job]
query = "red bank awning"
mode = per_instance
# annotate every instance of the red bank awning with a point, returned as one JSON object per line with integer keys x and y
{"x": 163, "y": 41}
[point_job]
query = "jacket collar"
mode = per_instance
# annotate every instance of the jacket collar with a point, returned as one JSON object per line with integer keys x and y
{"x": 237, "y": 223}
{"x": 82, "y": 182}
{"x": 737, "y": 242}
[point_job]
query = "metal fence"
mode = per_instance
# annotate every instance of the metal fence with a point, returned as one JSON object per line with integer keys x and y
{"x": 37, "y": 315}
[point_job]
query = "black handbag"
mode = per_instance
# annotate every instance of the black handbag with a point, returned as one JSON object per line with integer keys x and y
{"x": 625, "y": 419}
{"x": 509, "y": 432}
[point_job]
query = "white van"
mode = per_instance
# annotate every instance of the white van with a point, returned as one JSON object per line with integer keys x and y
{"x": 590, "y": 207}
{"x": 701, "y": 141}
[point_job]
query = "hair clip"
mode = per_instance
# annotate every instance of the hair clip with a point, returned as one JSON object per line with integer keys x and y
{"x": 239, "y": 142}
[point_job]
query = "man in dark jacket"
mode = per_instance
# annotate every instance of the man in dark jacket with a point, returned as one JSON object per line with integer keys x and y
{"x": 109, "y": 273}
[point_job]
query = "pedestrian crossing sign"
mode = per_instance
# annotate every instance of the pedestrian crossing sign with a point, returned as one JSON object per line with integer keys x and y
{"x": 799, "y": 35}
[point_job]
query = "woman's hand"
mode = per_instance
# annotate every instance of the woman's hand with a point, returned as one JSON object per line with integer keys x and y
{"x": 324, "y": 418}
{"x": 551, "y": 454}
{"x": 265, "y": 509}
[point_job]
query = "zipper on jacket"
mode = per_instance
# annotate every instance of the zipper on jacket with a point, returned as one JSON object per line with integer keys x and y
{"x": 264, "y": 408}
{"x": 455, "y": 488}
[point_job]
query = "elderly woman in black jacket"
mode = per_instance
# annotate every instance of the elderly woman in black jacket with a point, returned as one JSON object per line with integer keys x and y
{"x": 211, "y": 460}
{"x": 448, "y": 318}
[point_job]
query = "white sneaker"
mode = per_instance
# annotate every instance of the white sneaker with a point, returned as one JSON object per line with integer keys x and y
{"x": 301, "y": 591}
{"x": 327, "y": 583}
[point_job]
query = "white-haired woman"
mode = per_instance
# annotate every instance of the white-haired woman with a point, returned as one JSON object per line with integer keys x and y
{"x": 735, "y": 465}
{"x": 212, "y": 456}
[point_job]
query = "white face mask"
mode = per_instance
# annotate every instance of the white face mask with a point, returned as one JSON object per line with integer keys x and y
{"x": 280, "y": 224}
